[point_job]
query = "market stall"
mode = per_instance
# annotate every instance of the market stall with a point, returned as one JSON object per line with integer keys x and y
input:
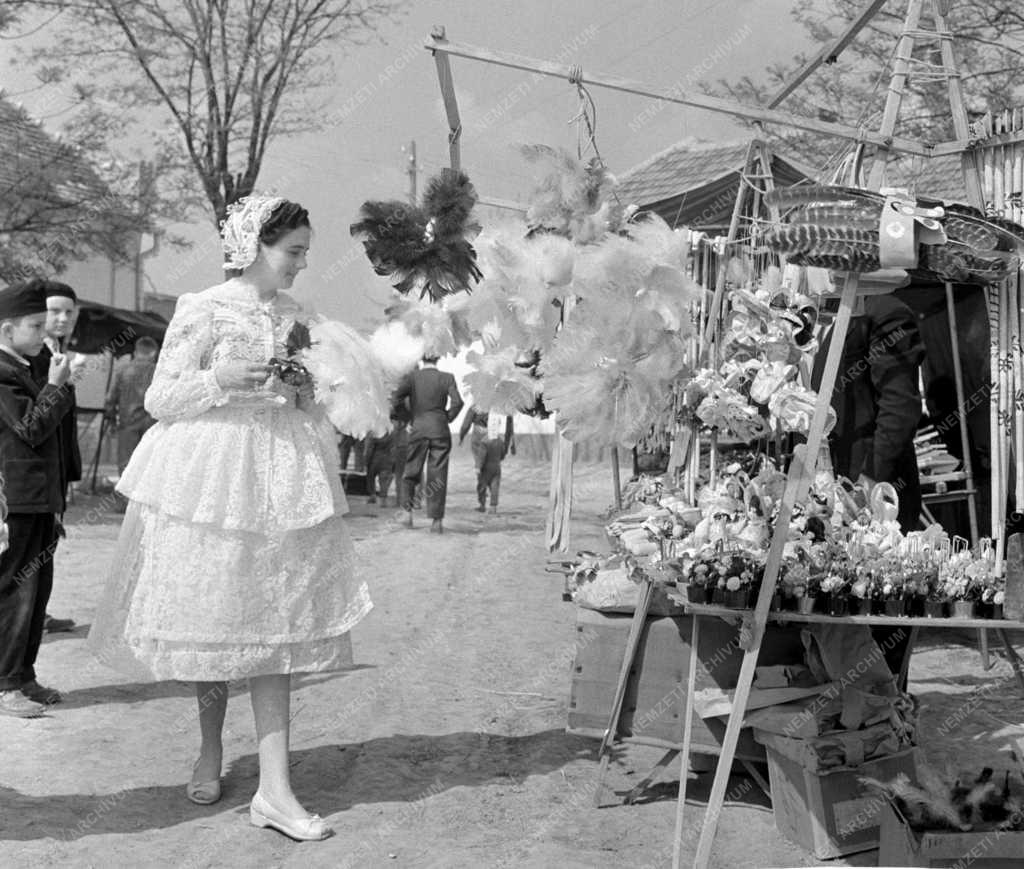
{"x": 750, "y": 540}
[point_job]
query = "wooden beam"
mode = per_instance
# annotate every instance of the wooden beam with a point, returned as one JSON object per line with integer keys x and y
{"x": 829, "y": 53}
{"x": 961, "y": 128}
{"x": 700, "y": 101}
{"x": 507, "y": 204}
{"x": 897, "y": 85}
{"x": 451, "y": 104}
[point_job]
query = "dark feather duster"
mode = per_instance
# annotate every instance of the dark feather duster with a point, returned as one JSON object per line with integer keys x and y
{"x": 424, "y": 246}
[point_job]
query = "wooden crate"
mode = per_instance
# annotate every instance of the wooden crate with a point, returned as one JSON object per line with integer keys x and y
{"x": 901, "y": 846}
{"x": 829, "y": 813}
{"x": 656, "y": 692}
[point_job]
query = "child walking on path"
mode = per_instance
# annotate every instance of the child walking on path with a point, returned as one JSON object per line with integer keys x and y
{"x": 491, "y": 440}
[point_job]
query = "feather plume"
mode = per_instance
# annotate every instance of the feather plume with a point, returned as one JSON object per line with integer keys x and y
{"x": 497, "y": 384}
{"x": 396, "y": 349}
{"x": 348, "y": 379}
{"x": 425, "y": 247}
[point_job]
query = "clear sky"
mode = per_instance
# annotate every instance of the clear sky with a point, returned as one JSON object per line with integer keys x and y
{"x": 387, "y": 95}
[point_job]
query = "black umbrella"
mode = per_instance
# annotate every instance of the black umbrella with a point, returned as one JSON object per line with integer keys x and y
{"x": 102, "y": 328}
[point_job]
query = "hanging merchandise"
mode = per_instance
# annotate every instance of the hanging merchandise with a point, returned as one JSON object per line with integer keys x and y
{"x": 859, "y": 230}
{"x": 426, "y": 247}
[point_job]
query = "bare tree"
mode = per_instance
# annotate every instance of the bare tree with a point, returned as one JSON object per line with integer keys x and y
{"x": 988, "y": 46}
{"x": 230, "y": 74}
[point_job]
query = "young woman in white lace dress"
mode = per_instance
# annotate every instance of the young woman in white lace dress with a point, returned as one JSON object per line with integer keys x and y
{"x": 233, "y": 560}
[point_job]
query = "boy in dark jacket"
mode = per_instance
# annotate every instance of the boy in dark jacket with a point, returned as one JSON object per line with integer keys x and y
{"x": 31, "y": 462}
{"x": 491, "y": 440}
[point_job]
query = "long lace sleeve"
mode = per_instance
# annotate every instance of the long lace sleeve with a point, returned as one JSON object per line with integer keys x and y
{"x": 183, "y": 384}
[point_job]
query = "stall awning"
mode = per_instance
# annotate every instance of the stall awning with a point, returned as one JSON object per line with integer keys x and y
{"x": 102, "y": 328}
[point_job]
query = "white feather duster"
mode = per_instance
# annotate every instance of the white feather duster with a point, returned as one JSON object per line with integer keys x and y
{"x": 348, "y": 380}
{"x": 497, "y": 385}
{"x": 396, "y": 349}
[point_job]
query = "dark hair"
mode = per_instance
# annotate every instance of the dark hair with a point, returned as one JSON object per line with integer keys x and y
{"x": 283, "y": 219}
{"x": 147, "y": 344}
{"x": 431, "y": 359}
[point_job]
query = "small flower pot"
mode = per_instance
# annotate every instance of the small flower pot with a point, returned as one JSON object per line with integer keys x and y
{"x": 983, "y": 610}
{"x": 718, "y": 596}
{"x": 776, "y": 602}
{"x": 935, "y": 609}
{"x": 838, "y": 605}
{"x": 696, "y": 593}
{"x": 738, "y": 600}
{"x": 877, "y": 607}
{"x": 895, "y": 607}
{"x": 806, "y": 604}
{"x": 856, "y": 606}
{"x": 963, "y": 609}
{"x": 997, "y": 611}
{"x": 824, "y": 603}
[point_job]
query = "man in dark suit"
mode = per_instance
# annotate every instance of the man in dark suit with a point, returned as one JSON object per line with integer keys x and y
{"x": 434, "y": 402}
{"x": 31, "y": 463}
{"x": 61, "y": 314}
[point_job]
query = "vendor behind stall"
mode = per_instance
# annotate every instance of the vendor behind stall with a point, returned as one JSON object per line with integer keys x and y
{"x": 878, "y": 408}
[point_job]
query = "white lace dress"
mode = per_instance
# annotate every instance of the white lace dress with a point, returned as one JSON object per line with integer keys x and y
{"x": 233, "y": 559}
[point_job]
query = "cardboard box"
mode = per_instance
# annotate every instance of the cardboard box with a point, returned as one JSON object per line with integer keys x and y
{"x": 901, "y": 846}
{"x": 656, "y": 692}
{"x": 829, "y": 813}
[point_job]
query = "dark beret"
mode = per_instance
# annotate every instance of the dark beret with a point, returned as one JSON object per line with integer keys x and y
{"x": 22, "y": 299}
{"x": 56, "y": 288}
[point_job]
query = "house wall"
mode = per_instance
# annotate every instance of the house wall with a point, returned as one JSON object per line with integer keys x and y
{"x": 101, "y": 279}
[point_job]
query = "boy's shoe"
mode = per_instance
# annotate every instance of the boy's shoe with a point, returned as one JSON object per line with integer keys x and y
{"x": 371, "y": 500}
{"x": 40, "y": 693}
{"x": 405, "y": 518}
{"x": 494, "y": 508}
{"x": 17, "y": 705}
{"x": 482, "y": 508}
{"x": 55, "y": 626}
{"x": 436, "y": 527}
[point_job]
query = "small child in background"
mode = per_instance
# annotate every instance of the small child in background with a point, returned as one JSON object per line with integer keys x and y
{"x": 378, "y": 453}
{"x": 491, "y": 441}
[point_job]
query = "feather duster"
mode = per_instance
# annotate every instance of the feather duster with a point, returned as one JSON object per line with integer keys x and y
{"x": 347, "y": 379}
{"x": 425, "y": 246}
{"x": 430, "y": 323}
{"x": 923, "y": 808}
{"x": 572, "y": 198}
{"x": 497, "y": 384}
{"x": 396, "y": 349}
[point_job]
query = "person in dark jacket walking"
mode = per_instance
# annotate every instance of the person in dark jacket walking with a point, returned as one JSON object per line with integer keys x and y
{"x": 31, "y": 460}
{"x": 433, "y": 402}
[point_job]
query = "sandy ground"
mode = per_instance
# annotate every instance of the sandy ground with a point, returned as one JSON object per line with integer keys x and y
{"x": 446, "y": 747}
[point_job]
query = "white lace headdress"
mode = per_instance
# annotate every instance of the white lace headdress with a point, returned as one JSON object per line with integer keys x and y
{"x": 240, "y": 230}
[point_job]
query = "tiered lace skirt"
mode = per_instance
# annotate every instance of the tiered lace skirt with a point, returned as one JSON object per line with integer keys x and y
{"x": 233, "y": 559}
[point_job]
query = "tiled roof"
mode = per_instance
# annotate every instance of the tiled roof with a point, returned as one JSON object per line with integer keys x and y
{"x": 683, "y": 166}
{"x": 694, "y": 183}
{"x": 932, "y": 177}
{"x": 34, "y": 164}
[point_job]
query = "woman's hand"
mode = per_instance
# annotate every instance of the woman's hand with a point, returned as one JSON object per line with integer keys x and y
{"x": 241, "y": 375}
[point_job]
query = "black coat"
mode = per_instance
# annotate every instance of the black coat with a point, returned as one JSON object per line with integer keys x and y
{"x": 877, "y": 401}
{"x": 30, "y": 445}
{"x": 70, "y": 453}
{"x": 433, "y": 401}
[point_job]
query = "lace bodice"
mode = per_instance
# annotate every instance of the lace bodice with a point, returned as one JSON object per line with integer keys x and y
{"x": 225, "y": 323}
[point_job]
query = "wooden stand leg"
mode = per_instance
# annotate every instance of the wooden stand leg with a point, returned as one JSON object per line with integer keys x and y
{"x": 632, "y": 644}
{"x": 986, "y": 661}
{"x": 801, "y": 472}
{"x": 684, "y": 769}
{"x": 1011, "y": 653}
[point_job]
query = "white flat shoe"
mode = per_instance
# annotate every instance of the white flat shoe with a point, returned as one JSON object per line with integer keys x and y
{"x": 308, "y": 829}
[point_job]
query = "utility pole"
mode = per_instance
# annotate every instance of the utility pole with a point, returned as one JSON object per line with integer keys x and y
{"x": 411, "y": 170}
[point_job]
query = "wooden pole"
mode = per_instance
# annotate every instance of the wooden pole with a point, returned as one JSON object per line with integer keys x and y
{"x": 440, "y": 45}
{"x": 897, "y": 84}
{"x": 451, "y": 104}
{"x": 829, "y": 54}
{"x": 689, "y": 712}
{"x": 801, "y": 472}
{"x": 616, "y": 480}
{"x": 961, "y": 404}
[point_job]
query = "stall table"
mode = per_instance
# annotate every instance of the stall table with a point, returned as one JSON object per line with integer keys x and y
{"x": 746, "y": 620}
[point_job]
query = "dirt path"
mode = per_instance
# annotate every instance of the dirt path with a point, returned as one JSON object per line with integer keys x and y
{"x": 446, "y": 748}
